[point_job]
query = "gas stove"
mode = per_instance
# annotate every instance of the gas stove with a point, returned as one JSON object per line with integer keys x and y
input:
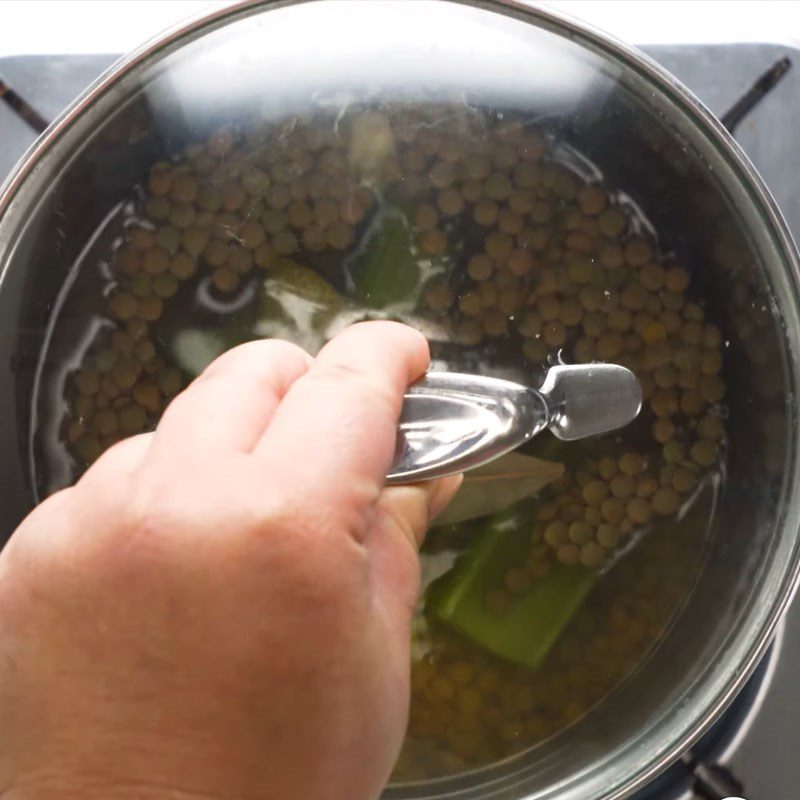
{"x": 751, "y": 751}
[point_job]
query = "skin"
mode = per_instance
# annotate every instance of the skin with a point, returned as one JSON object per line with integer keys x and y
{"x": 221, "y": 609}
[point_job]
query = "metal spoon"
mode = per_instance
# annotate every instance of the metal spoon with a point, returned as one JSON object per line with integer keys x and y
{"x": 453, "y": 422}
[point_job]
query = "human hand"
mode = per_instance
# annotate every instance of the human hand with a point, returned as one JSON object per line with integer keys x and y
{"x": 220, "y": 609}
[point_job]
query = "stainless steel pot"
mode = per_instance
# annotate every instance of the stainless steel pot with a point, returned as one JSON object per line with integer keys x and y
{"x": 649, "y": 135}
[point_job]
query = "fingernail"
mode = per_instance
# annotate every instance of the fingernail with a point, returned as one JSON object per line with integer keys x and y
{"x": 444, "y": 490}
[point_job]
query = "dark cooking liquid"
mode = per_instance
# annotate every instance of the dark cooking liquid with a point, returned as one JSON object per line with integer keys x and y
{"x": 518, "y": 255}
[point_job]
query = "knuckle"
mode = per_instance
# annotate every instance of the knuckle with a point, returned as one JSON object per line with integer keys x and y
{"x": 150, "y": 510}
{"x": 260, "y": 353}
{"x": 177, "y": 404}
{"x": 363, "y": 383}
{"x": 146, "y": 547}
{"x": 310, "y": 544}
{"x": 119, "y": 461}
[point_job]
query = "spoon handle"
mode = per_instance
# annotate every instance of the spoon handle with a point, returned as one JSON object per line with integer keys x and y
{"x": 452, "y": 422}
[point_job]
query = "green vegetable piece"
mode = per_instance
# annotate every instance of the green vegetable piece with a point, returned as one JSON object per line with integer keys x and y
{"x": 389, "y": 273}
{"x": 529, "y": 627}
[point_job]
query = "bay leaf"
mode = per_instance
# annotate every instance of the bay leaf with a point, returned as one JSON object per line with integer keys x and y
{"x": 297, "y": 304}
{"x": 498, "y": 485}
{"x": 292, "y": 278}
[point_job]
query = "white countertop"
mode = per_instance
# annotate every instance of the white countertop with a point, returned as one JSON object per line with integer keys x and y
{"x": 117, "y": 26}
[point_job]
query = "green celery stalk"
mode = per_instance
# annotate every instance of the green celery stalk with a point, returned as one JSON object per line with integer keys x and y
{"x": 530, "y": 626}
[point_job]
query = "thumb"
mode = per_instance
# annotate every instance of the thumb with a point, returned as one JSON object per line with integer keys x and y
{"x": 403, "y": 514}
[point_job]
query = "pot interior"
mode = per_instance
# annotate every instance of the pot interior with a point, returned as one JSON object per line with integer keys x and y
{"x": 520, "y": 194}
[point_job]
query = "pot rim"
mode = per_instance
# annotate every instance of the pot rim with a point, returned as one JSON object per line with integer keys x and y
{"x": 706, "y": 124}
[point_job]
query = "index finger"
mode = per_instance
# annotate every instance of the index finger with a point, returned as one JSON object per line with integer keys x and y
{"x": 230, "y": 404}
{"x": 333, "y": 437}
